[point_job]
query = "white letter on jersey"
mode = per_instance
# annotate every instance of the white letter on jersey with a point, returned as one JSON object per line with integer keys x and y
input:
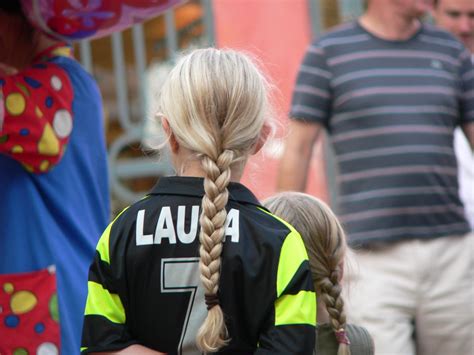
{"x": 142, "y": 239}
{"x": 232, "y": 225}
{"x": 165, "y": 227}
{"x": 184, "y": 237}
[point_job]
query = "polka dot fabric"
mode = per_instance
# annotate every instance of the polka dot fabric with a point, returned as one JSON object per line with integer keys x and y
{"x": 29, "y": 320}
{"x": 36, "y": 113}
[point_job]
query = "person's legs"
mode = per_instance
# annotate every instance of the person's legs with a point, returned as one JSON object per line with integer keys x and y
{"x": 445, "y": 318}
{"x": 380, "y": 289}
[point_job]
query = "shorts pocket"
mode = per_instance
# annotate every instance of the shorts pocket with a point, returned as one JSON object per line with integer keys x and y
{"x": 29, "y": 317}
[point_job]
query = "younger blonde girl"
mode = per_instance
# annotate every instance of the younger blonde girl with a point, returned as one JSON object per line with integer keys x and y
{"x": 325, "y": 242}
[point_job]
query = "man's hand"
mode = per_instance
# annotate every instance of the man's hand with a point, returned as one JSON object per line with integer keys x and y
{"x": 295, "y": 162}
{"x": 468, "y": 129}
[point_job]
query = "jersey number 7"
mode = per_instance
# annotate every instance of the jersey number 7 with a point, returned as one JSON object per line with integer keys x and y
{"x": 182, "y": 275}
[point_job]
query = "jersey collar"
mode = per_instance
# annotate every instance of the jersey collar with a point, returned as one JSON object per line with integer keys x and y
{"x": 194, "y": 186}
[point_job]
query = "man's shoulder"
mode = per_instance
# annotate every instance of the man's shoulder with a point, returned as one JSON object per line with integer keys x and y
{"x": 337, "y": 33}
{"x": 434, "y": 30}
{"x": 440, "y": 36}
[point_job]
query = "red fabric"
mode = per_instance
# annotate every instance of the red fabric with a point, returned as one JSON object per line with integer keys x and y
{"x": 37, "y": 118}
{"x": 70, "y": 17}
{"x": 79, "y": 19}
{"x": 28, "y": 313}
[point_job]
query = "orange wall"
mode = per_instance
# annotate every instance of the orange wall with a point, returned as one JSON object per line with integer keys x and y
{"x": 277, "y": 32}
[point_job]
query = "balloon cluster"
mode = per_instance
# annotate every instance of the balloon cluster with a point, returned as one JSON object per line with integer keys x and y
{"x": 71, "y": 20}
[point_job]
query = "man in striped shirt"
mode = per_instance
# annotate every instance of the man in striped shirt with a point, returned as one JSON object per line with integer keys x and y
{"x": 390, "y": 91}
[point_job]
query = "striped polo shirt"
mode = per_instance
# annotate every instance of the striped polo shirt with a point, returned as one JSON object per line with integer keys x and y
{"x": 390, "y": 108}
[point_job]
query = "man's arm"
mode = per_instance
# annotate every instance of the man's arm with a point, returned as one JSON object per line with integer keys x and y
{"x": 296, "y": 158}
{"x": 468, "y": 129}
{"x": 310, "y": 109}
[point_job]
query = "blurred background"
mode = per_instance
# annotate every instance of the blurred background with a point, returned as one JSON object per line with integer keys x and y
{"x": 130, "y": 67}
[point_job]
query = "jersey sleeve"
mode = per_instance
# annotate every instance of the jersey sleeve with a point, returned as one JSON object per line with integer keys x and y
{"x": 311, "y": 99}
{"x": 105, "y": 327}
{"x": 36, "y": 116}
{"x": 292, "y": 328}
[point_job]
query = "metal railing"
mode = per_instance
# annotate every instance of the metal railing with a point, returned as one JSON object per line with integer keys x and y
{"x": 123, "y": 169}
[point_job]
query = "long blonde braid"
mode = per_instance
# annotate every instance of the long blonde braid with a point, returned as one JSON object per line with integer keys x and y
{"x": 212, "y": 221}
{"x": 216, "y": 103}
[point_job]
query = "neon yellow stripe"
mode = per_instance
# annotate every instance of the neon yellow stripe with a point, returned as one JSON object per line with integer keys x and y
{"x": 83, "y": 348}
{"x": 296, "y": 309}
{"x": 292, "y": 254}
{"x": 299, "y": 308}
{"x": 103, "y": 244}
{"x": 101, "y": 302}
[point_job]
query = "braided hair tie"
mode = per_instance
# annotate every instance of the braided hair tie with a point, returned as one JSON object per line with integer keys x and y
{"x": 341, "y": 336}
{"x": 211, "y": 300}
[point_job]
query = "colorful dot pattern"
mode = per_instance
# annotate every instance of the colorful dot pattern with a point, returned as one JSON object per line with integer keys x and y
{"x": 37, "y": 113}
{"x": 29, "y": 320}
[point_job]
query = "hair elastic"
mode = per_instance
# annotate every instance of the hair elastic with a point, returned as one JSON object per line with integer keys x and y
{"x": 211, "y": 300}
{"x": 341, "y": 336}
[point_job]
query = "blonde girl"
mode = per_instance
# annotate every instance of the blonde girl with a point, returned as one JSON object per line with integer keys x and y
{"x": 325, "y": 242}
{"x": 199, "y": 265}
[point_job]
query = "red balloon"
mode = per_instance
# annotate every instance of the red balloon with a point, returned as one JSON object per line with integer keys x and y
{"x": 79, "y": 19}
{"x": 73, "y": 18}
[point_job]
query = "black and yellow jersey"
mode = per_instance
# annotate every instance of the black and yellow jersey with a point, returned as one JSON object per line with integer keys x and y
{"x": 144, "y": 284}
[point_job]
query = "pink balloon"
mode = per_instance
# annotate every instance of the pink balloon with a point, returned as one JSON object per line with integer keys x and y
{"x": 71, "y": 20}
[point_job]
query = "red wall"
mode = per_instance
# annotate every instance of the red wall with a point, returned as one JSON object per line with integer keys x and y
{"x": 277, "y": 32}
